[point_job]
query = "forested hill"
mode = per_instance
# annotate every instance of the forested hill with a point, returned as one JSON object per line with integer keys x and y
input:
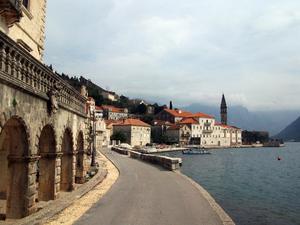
{"x": 95, "y": 91}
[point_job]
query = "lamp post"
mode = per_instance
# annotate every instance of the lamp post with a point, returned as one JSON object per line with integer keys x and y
{"x": 93, "y": 163}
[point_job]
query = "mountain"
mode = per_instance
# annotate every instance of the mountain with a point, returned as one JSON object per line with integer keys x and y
{"x": 291, "y": 132}
{"x": 240, "y": 116}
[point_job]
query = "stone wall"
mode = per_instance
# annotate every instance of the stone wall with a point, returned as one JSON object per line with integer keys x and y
{"x": 34, "y": 115}
{"x": 41, "y": 119}
{"x": 167, "y": 162}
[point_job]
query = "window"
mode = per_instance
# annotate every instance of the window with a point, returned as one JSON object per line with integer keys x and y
{"x": 26, "y": 3}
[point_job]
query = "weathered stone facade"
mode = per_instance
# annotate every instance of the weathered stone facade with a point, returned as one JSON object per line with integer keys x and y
{"x": 28, "y": 27}
{"x": 43, "y": 135}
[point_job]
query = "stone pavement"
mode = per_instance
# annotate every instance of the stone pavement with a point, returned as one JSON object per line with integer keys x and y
{"x": 149, "y": 195}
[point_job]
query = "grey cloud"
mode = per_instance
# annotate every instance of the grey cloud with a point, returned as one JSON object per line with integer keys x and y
{"x": 191, "y": 51}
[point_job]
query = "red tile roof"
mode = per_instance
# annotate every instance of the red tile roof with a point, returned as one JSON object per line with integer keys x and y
{"x": 185, "y": 114}
{"x": 202, "y": 115}
{"x": 179, "y": 113}
{"x": 188, "y": 121}
{"x": 226, "y": 126}
{"x": 174, "y": 127}
{"x": 132, "y": 122}
{"x": 98, "y": 107}
{"x": 111, "y": 108}
{"x": 161, "y": 123}
{"x": 109, "y": 122}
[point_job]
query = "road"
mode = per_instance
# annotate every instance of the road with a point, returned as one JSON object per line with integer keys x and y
{"x": 149, "y": 195}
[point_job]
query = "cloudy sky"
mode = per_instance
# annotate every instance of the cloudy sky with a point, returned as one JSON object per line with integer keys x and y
{"x": 189, "y": 51}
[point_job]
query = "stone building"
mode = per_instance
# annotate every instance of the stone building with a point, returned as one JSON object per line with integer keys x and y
{"x": 43, "y": 120}
{"x": 113, "y": 113}
{"x": 254, "y": 137}
{"x": 173, "y": 116}
{"x": 24, "y": 22}
{"x": 179, "y": 134}
{"x": 204, "y": 129}
{"x": 100, "y": 133}
{"x": 158, "y": 130}
{"x": 43, "y": 147}
{"x": 136, "y": 131}
{"x": 109, "y": 95}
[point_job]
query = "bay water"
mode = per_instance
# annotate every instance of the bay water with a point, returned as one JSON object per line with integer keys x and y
{"x": 251, "y": 184}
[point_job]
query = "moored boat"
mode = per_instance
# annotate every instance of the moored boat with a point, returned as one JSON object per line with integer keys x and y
{"x": 195, "y": 152}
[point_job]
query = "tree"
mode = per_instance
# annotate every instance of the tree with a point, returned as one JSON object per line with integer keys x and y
{"x": 142, "y": 108}
{"x": 119, "y": 136}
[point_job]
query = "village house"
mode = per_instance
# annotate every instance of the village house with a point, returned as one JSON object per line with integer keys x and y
{"x": 109, "y": 95}
{"x": 172, "y": 115}
{"x": 109, "y": 131}
{"x": 158, "y": 130}
{"x": 112, "y": 113}
{"x": 100, "y": 132}
{"x": 178, "y": 134}
{"x": 137, "y": 132}
{"x": 203, "y": 128}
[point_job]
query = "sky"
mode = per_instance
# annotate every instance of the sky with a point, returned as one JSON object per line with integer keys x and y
{"x": 188, "y": 51}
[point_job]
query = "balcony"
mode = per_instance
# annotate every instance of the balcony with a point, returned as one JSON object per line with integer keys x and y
{"x": 185, "y": 135}
{"x": 207, "y": 124}
{"x": 22, "y": 71}
{"x": 207, "y": 131}
{"x": 11, "y": 11}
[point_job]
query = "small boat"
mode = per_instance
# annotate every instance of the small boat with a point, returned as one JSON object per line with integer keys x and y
{"x": 195, "y": 152}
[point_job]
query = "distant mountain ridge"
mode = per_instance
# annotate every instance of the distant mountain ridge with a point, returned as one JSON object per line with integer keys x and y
{"x": 291, "y": 132}
{"x": 240, "y": 116}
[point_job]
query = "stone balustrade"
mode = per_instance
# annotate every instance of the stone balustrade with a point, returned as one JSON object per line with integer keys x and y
{"x": 167, "y": 162}
{"x": 21, "y": 70}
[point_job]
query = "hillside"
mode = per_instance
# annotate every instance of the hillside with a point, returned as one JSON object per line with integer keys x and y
{"x": 95, "y": 91}
{"x": 291, "y": 132}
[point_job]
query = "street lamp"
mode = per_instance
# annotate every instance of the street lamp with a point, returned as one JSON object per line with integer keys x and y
{"x": 93, "y": 163}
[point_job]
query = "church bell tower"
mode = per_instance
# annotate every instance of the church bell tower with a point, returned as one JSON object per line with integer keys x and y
{"x": 223, "y": 111}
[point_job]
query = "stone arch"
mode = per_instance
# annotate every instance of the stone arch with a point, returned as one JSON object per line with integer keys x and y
{"x": 14, "y": 150}
{"x": 66, "y": 176}
{"x": 46, "y": 164}
{"x": 79, "y": 178}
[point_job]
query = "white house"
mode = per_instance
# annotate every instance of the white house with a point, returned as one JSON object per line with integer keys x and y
{"x": 136, "y": 131}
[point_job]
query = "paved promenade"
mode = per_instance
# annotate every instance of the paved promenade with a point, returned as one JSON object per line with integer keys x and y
{"x": 149, "y": 195}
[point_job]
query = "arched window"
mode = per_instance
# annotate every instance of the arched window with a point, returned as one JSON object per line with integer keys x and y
{"x": 26, "y": 3}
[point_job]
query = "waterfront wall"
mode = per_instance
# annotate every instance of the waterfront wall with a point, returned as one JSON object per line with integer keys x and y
{"x": 164, "y": 161}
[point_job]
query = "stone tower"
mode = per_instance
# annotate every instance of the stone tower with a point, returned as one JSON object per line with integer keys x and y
{"x": 223, "y": 111}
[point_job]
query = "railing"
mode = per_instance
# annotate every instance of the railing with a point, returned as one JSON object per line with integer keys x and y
{"x": 21, "y": 69}
{"x": 207, "y": 131}
{"x": 207, "y": 124}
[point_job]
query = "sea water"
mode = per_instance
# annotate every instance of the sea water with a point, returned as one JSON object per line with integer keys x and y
{"x": 251, "y": 184}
